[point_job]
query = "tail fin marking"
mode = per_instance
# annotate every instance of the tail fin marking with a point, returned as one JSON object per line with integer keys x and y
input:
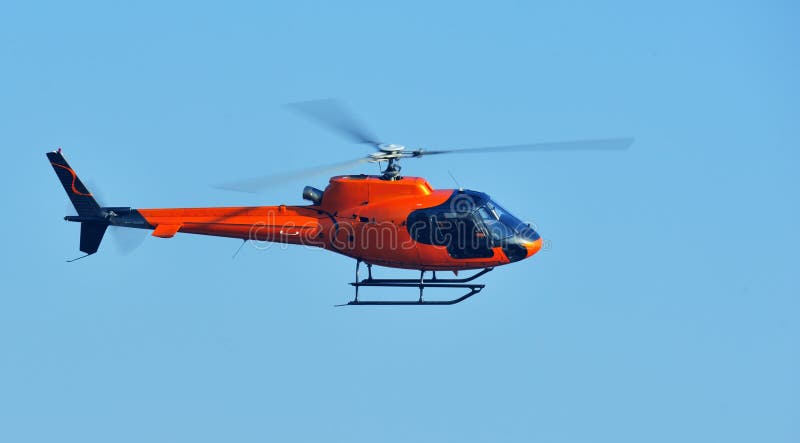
{"x": 81, "y": 198}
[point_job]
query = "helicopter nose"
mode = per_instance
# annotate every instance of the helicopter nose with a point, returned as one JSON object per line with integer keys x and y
{"x": 533, "y": 247}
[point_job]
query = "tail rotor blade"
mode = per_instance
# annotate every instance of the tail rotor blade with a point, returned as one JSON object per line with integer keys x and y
{"x": 126, "y": 240}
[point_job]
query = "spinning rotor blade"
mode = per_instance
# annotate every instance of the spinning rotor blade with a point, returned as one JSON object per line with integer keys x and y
{"x": 334, "y": 115}
{"x": 602, "y": 144}
{"x": 255, "y": 184}
{"x": 126, "y": 240}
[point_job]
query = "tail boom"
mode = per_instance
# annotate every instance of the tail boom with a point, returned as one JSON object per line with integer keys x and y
{"x": 281, "y": 224}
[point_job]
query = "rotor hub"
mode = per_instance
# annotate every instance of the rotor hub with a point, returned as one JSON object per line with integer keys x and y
{"x": 390, "y": 147}
{"x": 391, "y": 154}
{"x": 388, "y": 153}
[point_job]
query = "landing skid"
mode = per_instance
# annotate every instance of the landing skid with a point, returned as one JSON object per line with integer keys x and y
{"x": 420, "y": 283}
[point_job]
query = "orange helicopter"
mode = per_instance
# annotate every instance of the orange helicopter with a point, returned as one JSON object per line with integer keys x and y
{"x": 384, "y": 220}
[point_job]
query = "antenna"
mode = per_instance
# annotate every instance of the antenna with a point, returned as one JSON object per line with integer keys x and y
{"x": 238, "y": 249}
{"x": 454, "y": 179}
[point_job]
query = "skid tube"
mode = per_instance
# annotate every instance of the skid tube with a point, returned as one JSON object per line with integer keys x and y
{"x": 420, "y": 283}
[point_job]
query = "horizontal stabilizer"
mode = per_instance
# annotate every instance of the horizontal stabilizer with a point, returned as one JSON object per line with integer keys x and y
{"x": 166, "y": 231}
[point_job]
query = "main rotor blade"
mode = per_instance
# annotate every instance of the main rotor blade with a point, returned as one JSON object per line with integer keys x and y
{"x": 600, "y": 144}
{"x": 334, "y": 115}
{"x": 255, "y": 184}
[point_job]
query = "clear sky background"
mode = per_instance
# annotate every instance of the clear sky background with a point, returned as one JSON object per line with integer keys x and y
{"x": 664, "y": 310}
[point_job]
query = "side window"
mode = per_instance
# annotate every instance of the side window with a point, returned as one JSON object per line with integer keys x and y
{"x": 440, "y": 228}
{"x": 419, "y": 226}
{"x": 462, "y": 236}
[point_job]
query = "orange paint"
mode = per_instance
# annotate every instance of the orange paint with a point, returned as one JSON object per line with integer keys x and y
{"x": 74, "y": 178}
{"x": 362, "y": 217}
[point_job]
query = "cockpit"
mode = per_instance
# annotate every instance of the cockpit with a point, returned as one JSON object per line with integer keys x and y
{"x": 470, "y": 224}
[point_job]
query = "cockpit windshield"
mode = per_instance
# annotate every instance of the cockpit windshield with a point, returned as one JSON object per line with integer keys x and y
{"x": 501, "y": 224}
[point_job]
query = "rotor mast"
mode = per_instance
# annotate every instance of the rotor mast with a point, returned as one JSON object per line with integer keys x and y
{"x": 391, "y": 154}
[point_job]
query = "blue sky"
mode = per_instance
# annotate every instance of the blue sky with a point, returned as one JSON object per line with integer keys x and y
{"x": 664, "y": 310}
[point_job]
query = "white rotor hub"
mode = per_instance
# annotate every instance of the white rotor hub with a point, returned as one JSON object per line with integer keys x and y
{"x": 391, "y": 147}
{"x": 387, "y": 152}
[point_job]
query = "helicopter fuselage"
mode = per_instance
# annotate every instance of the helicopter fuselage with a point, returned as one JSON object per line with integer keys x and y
{"x": 401, "y": 223}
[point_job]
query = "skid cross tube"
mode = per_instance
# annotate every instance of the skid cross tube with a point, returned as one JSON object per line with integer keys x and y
{"x": 420, "y": 283}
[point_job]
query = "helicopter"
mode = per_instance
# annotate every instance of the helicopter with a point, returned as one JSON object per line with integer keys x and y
{"x": 387, "y": 220}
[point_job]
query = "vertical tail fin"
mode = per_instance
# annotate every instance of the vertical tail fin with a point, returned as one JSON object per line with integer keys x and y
{"x": 81, "y": 198}
{"x": 91, "y": 216}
